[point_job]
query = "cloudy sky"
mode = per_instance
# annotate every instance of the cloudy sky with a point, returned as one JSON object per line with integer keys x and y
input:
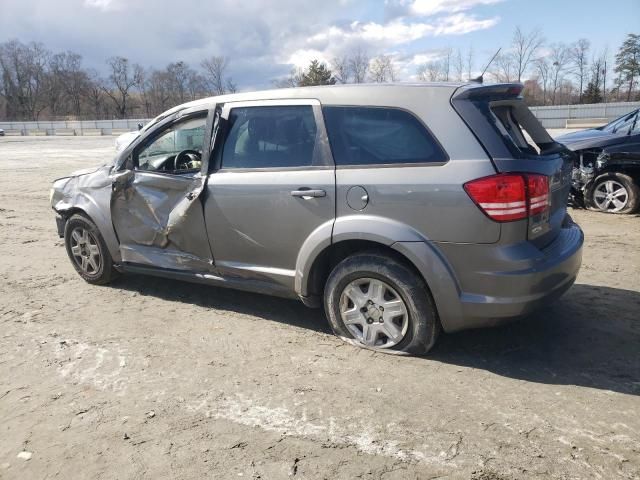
{"x": 264, "y": 39}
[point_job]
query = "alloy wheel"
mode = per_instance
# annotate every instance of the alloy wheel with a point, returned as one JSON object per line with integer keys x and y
{"x": 374, "y": 313}
{"x": 85, "y": 250}
{"x": 610, "y": 196}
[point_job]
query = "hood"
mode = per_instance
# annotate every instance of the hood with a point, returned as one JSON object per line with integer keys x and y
{"x": 86, "y": 171}
{"x": 589, "y": 139}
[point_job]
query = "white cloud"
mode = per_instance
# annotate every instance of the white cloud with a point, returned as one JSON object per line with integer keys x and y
{"x": 461, "y": 23}
{"x": 398, "y": 31}
{"x": 431, "y": 7}
{"x": 262, "y": 42}
{"x": 104, "y": 5}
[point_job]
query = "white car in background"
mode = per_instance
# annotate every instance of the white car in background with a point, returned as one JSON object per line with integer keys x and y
{"x": 124, "y": 140}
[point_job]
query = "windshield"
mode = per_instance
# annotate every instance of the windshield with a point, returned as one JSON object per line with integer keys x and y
{"x": 622, "y": 124}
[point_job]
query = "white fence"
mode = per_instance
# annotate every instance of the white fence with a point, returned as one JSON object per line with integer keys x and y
{"x": 551, "y": 117}
{"x": 84, "y": 127}
{"x": 556, "y": 116}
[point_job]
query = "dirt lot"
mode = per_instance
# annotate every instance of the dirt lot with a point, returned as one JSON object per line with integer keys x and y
{"x": 151, "y": 378}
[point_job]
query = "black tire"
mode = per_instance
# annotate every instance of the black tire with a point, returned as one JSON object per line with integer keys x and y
{"x": 105, "y": 271}
{"x": 633, "y": 192}
{"x": 423, "y": 327}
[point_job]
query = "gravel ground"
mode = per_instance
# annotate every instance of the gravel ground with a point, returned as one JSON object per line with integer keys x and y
{"x": 152, "y": 378}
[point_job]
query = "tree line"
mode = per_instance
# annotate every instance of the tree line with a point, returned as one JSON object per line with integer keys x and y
{"x": 553, "y": 74}
{"x": 37, "y": 84}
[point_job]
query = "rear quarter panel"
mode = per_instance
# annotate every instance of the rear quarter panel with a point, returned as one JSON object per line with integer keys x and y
{"x": 429, "y": 198}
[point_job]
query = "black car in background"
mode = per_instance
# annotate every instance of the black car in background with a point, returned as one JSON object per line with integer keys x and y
{"x": 606, "y": 175}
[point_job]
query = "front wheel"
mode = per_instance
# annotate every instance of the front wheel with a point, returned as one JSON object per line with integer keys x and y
{"x": 87, "y": 251}
{"x": 377, "y": 302}
{"x": 614, "y": 193}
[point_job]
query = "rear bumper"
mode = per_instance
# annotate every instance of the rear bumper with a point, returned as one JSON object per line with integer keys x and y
{"x": 484, "y": 285}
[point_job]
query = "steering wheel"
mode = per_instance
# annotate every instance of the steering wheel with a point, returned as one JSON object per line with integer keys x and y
{"x": 184, "y": 158}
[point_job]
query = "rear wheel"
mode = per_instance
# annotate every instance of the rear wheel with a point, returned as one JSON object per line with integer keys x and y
{"x": 380, "y": 303}
{"x": 87, "y": 251}
{"x": 614, "y": 193}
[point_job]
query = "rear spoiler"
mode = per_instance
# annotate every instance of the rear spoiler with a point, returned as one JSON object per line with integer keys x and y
{"x": 496, "y": 91}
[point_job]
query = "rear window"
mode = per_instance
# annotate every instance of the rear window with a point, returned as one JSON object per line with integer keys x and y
{"x": 506, "y": 122}
{"x": 519, "y": 130}
{"x": 377, "y": 136}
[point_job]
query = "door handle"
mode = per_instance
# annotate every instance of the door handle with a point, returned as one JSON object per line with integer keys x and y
{"x": 308, "y": 193}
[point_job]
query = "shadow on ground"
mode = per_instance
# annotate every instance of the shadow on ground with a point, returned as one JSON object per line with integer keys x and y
{"x": 590, "y": 337}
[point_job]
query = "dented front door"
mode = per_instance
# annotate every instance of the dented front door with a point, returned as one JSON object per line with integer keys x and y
{"x": 156, "y": 207}
{"x": 159, "y": 221}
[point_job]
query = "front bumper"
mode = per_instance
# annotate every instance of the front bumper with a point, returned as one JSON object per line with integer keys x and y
{"x": 60, "y": 223}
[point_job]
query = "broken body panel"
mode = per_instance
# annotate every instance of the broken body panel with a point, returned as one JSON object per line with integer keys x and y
{"x": 604, "y": 150}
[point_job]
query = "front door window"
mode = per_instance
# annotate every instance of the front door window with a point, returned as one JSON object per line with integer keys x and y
{"x": 177, "y": 150}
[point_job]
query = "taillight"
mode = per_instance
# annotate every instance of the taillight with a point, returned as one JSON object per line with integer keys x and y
{"x": 538, "y": 192}
{"x": 508, "y": 196}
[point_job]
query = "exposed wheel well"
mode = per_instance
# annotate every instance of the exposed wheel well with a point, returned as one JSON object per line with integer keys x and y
{"x": 326, "y": 261}
{"x": 67, "y": 214}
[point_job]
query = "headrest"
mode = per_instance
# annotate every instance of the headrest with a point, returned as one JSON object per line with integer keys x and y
{"x": 258, "y": 128}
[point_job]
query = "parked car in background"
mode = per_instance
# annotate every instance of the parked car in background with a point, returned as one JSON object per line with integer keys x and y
{"x": 606, "y": 174}
{"x": 403, "y": 209}
{"x": 125, "y": 139}
{"x": 1, "y": 132}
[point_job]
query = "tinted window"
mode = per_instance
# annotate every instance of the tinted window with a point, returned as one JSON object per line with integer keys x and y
{"x": 373, "y": 136}
{"x": 262, "y": 137}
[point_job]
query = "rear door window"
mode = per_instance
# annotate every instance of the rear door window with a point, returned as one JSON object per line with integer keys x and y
{"x": 378, "y": 136}
{"x": 270, "y": 137}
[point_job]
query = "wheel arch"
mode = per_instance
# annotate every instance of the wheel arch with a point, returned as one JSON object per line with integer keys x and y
{"x": 66, "y": 211}
{"x": 316, "y": 261}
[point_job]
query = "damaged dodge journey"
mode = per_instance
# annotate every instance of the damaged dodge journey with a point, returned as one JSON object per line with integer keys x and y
{"x": 402, "y": 209}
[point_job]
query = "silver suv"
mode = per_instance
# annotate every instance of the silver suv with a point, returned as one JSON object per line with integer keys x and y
{"x": 402, "y": 208}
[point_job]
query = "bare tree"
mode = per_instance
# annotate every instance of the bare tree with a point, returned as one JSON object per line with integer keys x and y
{"x": 122, "y": 78}
{"x": 94, "y": 94}
{"x": 559, "y": 58}
{"x": 341, "y": 68}
{"x": 359, "y": 65}
{"x": 381, "y": 69}
{"x": 469, "y": 63}
{"x": 446, "y": 63}
{"x": 543, "y": 68}
{"x": 75, "y": 80}
{"x": 458, "y": 65}
{"x": 54, "y": 83}
{"x": 504, "y": 68}
{"x": 231, "y": 86}
{"x": 24, "y": 78}
{"x": 578, "y": 54}
{"x": 292, "y": 80}
{"x": 525, "y": 47}
{"x": 431, "y": 71}
{"x": 179, "y": 75}
{"x": 158, "y": 90}
{"x": 215, "y": 68}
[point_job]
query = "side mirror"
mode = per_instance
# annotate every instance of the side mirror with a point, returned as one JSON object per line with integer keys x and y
{"x": 140, "y": 126}
{"x": 126, "y": 164}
